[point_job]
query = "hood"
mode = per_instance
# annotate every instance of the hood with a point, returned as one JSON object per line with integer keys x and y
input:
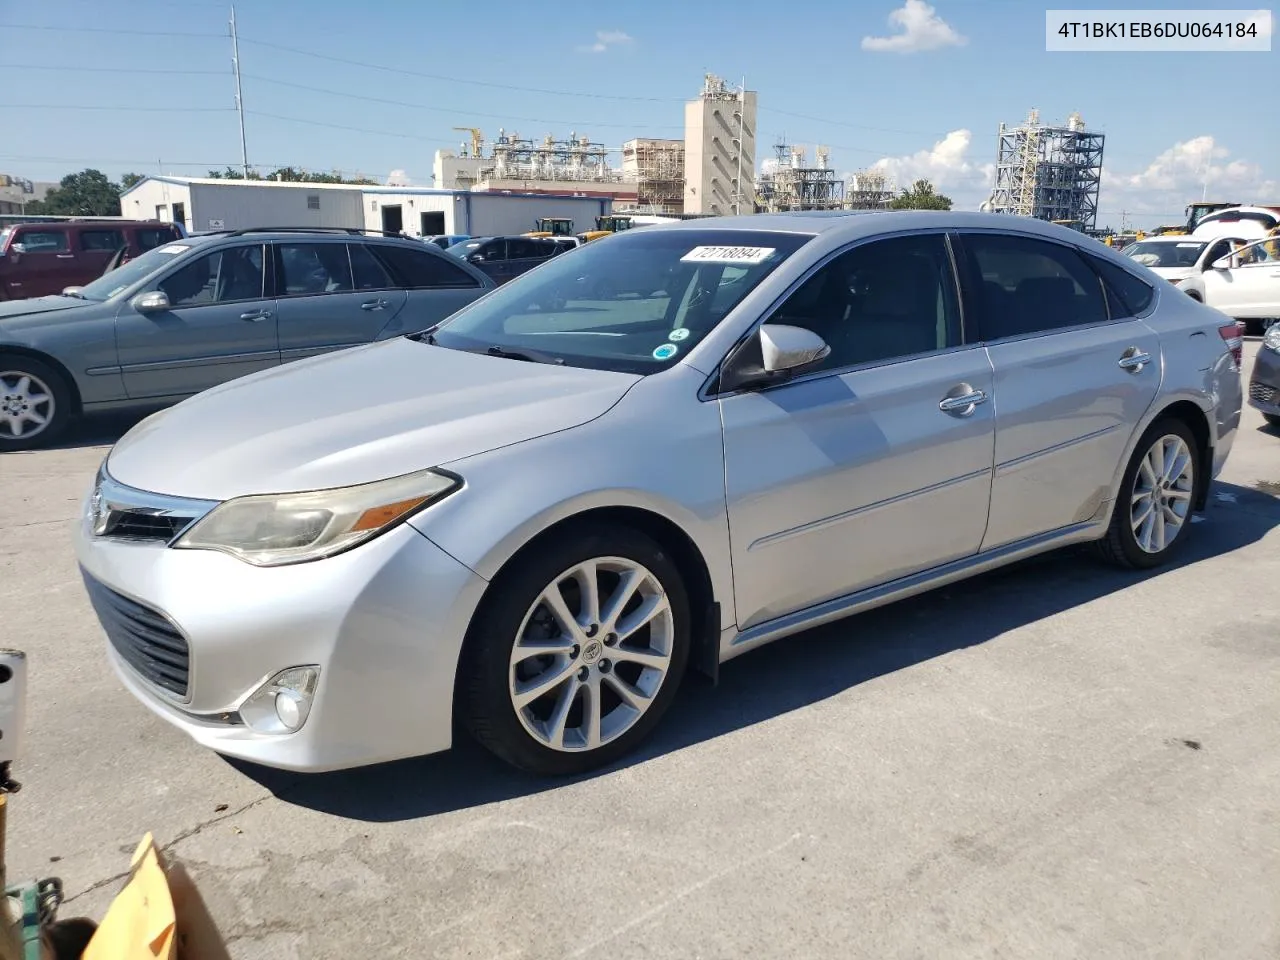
{"x": 1173, "y": 273}
{"x": 354, "y": 416}
{"x": 12, "y": 311}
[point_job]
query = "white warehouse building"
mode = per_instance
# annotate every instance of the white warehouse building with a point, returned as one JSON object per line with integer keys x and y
{"x": 202, "y": 204}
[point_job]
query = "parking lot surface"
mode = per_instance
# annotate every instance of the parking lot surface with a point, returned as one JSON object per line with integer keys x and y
{"x": 1055, "y": 760}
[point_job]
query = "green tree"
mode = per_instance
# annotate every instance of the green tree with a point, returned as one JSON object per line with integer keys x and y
{"x": 85, "y": 194}
{"x": 920, "y": 196}
{"x": 127, "y": 180}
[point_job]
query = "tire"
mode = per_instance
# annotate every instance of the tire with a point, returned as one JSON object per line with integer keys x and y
{"x": 491, "y": 676}
{"x": 22, "y": 379}
{"x": 1150, "y": 546}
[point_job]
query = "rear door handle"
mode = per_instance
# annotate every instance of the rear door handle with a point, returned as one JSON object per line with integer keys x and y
{"x": 373, "y": 304}
{"x": 256, "y": 316}
{"x": 962, "y": 404}
{"x": 1134, "y": 361}
{"x": 66, "y": 256}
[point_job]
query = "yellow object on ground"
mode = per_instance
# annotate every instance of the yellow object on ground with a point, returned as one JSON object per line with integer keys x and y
{"x": 140, "y": 923}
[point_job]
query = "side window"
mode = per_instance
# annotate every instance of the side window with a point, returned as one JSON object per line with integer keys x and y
{"x": 422, "y": 269}
{"x": 1031, "y": 286}
{"x": 367, "y": 272}
{"x": 1216, "y": 251}
{"x": 1127, "y": 295}
{"x": 879, "y": 301}
{"x": 43, "y": 241}
{"x": 221, "y": 277}
{"x": 308, "y": 269}
{"x": 106, "y": 240}
{"x": 522, "y": 249}
{"x": 152, "y": 237}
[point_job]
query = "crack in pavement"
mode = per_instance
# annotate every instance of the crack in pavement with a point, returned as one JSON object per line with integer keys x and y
{"x": 184, "y": 835}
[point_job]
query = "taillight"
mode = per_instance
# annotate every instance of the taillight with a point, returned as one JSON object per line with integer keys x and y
{"x": 1230, "y": 333}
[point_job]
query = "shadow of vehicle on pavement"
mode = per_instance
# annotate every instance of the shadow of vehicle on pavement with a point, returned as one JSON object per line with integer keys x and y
{"x": 786, "y": 675}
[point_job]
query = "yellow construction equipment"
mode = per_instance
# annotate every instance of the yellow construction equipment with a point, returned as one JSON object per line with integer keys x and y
{"x": 552, "y": 227}
{"x": 477, "y": 140}
{"x": 605, "y": 226}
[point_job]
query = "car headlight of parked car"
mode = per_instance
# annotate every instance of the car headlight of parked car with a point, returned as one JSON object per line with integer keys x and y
{"x": 1272, "y": 338}
{"x": 274, "y": 529}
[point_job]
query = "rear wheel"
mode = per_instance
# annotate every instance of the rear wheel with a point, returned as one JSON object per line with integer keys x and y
{"x": 577, "y": 652}
{"x": 35, "y": 403}
{"x": 1153, "y": 511}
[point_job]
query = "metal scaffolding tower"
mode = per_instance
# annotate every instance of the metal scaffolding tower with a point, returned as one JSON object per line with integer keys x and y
{"x": 792, "y": 185}
{"x": 1049, "y": 172}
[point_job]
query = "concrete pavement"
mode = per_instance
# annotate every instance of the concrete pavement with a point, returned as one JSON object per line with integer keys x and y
{"x": 1056, "y": 760}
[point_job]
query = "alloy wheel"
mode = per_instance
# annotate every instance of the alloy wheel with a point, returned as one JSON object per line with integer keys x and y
{"x": 1162, "y": 492}
{"x": 591, "y": 654}
{"x": 27, "y": 405}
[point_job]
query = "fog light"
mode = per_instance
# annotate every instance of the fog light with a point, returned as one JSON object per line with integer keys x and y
{"x": 281, "y": 705}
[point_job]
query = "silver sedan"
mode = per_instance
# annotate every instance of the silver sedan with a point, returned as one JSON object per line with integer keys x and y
{"x": 649, "y": 457}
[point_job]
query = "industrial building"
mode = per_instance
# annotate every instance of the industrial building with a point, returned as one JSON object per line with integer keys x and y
{"x": 869, "y": 190}
{"x": 1049, "y": 172}
{"x": 793, "y": 184}
{"x": 656, "y": 167}
{"x": 720, "y": 149}
{"x": 17, "y": 192}
{"x": 202, "y": 204}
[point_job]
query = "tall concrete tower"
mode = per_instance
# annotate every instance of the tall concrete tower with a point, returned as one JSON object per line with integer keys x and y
{"x": 720, "y": 149}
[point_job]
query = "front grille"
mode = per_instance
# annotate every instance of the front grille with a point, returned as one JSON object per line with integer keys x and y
{"x": 145, "y": 639}
{"x": 135, "y": 525}
{"x": 1261, "y": 392}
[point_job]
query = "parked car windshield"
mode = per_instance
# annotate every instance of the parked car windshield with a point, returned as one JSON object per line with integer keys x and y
{"x": 127, "y": 274}
{"x": 463, "y": 247}
{"x": 635, "y": 304}
{"x": 1166, "y": 253}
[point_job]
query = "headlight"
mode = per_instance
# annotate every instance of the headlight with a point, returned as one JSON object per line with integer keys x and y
{"x": 1272, "y": 337}
{"x": 274, "y": 529}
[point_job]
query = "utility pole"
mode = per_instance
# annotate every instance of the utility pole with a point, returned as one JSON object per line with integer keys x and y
{"x": 235, "y": 60}
{"x": 742, "y": 110}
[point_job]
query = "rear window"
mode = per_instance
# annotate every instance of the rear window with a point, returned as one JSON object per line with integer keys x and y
{"x": 422, "y": 269}
{"x": 151, "y": 237}
{"x": 1127, "y": 295}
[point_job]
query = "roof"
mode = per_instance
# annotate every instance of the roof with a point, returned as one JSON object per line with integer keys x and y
{"x": 855, "y": 223}
{"x": 366, "y": 188}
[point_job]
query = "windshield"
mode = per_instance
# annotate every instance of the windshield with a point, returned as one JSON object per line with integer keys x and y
{"x": 126, "y": 275}
{"x": 1166, "y": 253}
{"x": 635, "y": 304}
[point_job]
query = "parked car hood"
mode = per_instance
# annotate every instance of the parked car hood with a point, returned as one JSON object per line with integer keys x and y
{"x": 1173, "y": 273}
{"x": 14, "y": 312}
{"x": 354, "y": 416}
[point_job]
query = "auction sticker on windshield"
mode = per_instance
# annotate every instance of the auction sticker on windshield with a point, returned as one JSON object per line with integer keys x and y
{"x": 728, "y": 254}
{"x": 175, "y": 248}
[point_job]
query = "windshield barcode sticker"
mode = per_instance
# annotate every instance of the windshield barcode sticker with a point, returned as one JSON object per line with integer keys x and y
{"x": 175, "y": 248}
{"x": 728, "y": 254}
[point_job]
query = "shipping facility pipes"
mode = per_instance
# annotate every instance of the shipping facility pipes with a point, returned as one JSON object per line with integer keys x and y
{"x": 1049, "y": 172}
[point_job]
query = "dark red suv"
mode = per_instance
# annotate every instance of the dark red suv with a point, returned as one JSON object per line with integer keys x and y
{"x": 37, "y": 259}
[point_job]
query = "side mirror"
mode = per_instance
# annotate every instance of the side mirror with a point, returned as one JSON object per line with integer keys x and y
{"x": 784, "y": 352}
{"x": 790, "y": 350}
{"x": 18, "y": 248}
{"x": 1226, "y": 263}
{"x": 73, "y": 291}
{"x": 157, "y": 301}
{"x": 475, "y": 258}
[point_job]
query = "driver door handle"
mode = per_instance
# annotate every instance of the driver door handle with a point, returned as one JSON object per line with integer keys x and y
{"x": 256, "y": 315}
{"x": 374, "y": 304}
{"x": 966, "y": 401}
{"x": 1134, "y": 361}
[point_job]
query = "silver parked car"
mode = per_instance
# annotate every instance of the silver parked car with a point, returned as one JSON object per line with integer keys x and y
{"x": 660, "y": 452}
{"x": 205, "y": 309}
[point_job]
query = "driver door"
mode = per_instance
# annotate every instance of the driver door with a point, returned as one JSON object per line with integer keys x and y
{"x": 1251, "y": 290}
{"x": 855, "y": 475}
{"x": 221, "y": 324}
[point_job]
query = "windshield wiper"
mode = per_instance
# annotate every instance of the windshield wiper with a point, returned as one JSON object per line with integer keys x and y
{"x": 427, "y": 336}
{"x": 532, "y": 356}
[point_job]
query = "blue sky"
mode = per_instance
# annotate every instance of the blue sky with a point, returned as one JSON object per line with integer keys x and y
{"x": 929, "y": 104}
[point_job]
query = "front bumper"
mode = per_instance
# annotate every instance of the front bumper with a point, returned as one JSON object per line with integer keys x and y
{"x": 1264, "y": 384}
{"x": 384, "y": 622}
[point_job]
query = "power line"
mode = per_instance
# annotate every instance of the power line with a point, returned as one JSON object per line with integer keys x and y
{"x": 402, "y": 71}
{"x": 462, "y": 113}
{"x": 113, "y": 106}
{"x": 337, "y": 126}
{"x": 60, "y": 68}
{"x": 130, "y": 33}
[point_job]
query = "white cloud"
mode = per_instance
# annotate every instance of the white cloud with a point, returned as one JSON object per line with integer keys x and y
{"x": 948, "y": 165}
{"x": 919, "y": 28}
{"x": 398, "y": 178}
{"x": 606, "y": 39}
{"x": 1178, "y": 175}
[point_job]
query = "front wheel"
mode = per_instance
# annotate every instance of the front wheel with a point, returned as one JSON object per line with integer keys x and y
{"x": 577, "y": 652}
{"x": 35, "y": 403}
{"x": 1153, "y": 511}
